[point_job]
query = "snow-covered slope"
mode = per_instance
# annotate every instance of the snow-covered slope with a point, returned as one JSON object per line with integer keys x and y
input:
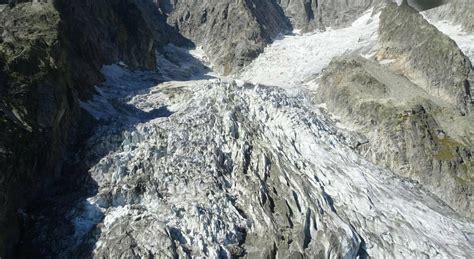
{"x": 291, "y": 60}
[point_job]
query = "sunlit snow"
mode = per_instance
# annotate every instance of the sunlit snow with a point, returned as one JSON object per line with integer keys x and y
{"x": 290, "y": 61}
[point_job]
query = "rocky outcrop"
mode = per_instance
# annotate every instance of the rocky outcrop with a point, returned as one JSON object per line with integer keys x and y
{"x": 426, "y": 55}
{"x": 407, "y": 130}
{"x": 231, "y": 32}
{"x": 50, "y": 57}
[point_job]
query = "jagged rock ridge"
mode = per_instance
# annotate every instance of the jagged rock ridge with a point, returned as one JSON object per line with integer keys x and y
{"x": 424, "y": 54}
{"x": 457, "y": 11}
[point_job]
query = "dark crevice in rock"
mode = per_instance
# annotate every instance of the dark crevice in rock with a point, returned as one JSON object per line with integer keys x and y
{"x": 307, "y": 229}
{"x": 362, "y": 253}
{"x": 247, "y": 158}
{"x": 295, "y": 197}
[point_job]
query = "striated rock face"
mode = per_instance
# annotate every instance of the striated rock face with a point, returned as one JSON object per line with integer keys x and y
{"x": 457, "y": 11}
{"x": 412, "y": 132}
{"x": 303, "y": 14}
{"x": 423, "y": 54}
{"x": 308, "y": 15}
{"x": 49, "y": 57}
{"x": 231, "y": 32}
{"x": 37, "y": 103}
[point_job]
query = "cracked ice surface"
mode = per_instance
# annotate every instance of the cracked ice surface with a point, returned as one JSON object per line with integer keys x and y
{"x": 205, "y": 167}
{"x": 234, "y": 168}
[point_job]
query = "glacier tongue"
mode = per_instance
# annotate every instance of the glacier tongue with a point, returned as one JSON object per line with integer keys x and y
{"x": 209, "y": 167}
{"x": 219, "y": 168}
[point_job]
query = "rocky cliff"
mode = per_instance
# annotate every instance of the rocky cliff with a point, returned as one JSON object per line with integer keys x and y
{"x": 423, "y": 54}
{"x": 231, "y": 32}
{"x": 457, "y": 11}
{"x": 303, "y": 14}
{"x": 38, "y": 104}
{"x": 50, "y": 57}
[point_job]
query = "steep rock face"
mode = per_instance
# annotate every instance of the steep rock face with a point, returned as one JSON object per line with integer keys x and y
{"x": 342, "y": 12}
{"x": 308, "y": 15}
{"x": 303, "y": 14}
{"x": 156, "y": 22}
{"x": 457, "y": 11}
{"x": 407, "y": 129}
{"x": 49, "y": 57}
{"x": 36, "y": 108}
{"x": 103, "y": 32}
{"x": 231, "y": 32}
{"x": 425, "y": 55}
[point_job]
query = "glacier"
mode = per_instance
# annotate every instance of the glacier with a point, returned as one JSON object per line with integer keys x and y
{"x": 192, "y": 164}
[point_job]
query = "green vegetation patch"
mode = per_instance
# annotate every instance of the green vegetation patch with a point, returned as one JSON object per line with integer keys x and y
{"x": 447, "y": 148}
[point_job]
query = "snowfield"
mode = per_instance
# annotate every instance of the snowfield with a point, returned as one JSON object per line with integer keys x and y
{"x": 294, "y": 59}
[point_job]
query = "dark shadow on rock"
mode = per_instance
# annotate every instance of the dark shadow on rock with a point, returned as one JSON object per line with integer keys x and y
{"x": 49, "y": 223}
{"x": 177, "y": 64}
{"x": 43, "y": 187}
{"x": 57, "y": 223}
{"x": 153, "y": 114}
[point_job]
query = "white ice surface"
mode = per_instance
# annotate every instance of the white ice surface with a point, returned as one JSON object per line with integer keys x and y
{"x": 290, "y": 61}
